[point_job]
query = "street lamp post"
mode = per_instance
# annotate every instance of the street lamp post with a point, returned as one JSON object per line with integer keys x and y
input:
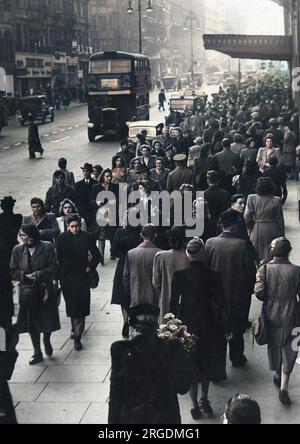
{"x": 192, "y": 20}
{"x": 130, "y": 10}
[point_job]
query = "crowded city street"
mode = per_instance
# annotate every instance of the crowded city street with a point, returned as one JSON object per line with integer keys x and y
{"x": 74, "y": 388}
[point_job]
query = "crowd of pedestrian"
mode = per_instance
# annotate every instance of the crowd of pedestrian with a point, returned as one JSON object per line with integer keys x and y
{"x": 246, "y": 149}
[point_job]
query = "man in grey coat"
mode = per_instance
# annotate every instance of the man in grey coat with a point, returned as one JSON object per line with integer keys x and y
{"x": 231, "y": 257}
{"x": 138, "y": 271}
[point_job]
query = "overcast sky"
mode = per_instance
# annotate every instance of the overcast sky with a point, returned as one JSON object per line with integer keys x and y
{"x": 260, "y": 16}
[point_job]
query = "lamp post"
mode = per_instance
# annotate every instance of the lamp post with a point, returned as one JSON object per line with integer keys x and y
{"x": 191, "y": 20}
{"x": 130, "y": 10}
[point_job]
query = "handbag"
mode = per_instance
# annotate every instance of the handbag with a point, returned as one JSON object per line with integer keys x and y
{"x": 32, "y": 296}
{"x": 260, "y": 329}
{"x": 94, "y": 279}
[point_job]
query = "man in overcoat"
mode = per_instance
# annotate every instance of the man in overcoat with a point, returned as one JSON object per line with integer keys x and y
{"x": 231, "y": 257}
{"x": 83, "y": 189}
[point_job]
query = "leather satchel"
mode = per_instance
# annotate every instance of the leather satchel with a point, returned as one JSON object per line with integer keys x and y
{"x": 260, "y": 329}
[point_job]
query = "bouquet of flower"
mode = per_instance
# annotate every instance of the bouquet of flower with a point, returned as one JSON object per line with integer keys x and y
{"x": 172, "y": 329}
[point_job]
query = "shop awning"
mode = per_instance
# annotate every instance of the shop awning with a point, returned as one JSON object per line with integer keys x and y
{"x": 265, "y": 47}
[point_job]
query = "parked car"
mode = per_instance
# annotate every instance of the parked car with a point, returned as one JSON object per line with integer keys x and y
{"x": 38, "y": 107}
{"x": 153, "y": 128}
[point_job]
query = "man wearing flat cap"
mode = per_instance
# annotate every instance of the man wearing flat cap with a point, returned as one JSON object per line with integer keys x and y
{"x": 10, "y": 224}
{"x": 83, "y": 188}
{"x": 181, "y": 175}
{"x": 147, "y": 374}
{"x": 124, "y": 153}
{"x": 231, "y": 257}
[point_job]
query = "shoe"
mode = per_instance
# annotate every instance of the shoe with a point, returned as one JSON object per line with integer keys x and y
{"x": 41, "y": 153}
{"x": 196, "y": 414}
{"x": 48, "y": 348}
{"x": 72, "y": 335}
{"x": 284, "y": 398}
{"x": 125, "y": 331}
{"x": 112, "y": 258}
{"x": 36, "y": 359}
{"x": 277, "y": 381}
{"x": 77, "y": 345}
{"x": 240, "y": 363}
{"x": 249, "y": 325}
{"x": 31, "y": 157}
{"x": 204, "y": 405}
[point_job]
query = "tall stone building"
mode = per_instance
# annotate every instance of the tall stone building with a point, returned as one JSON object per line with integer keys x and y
{"x": 43, "y": 43}
{"x": 7, "y": 46}
{"x": 165, "y": 41}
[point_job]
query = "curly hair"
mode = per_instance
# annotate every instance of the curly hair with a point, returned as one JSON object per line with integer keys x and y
{"x": 265, "y": 187}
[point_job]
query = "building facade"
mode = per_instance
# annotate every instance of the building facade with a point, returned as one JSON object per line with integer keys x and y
{"x": 44, "y": 44}
{"x": 7, "y": 46}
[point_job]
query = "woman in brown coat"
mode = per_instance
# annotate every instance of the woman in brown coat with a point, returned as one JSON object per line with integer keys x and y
{"x": 264, "y": 217}
{"x": 278, "y": 282}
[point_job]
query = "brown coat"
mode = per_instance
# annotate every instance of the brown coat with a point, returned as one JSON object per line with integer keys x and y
{"x": 264, "y": 218}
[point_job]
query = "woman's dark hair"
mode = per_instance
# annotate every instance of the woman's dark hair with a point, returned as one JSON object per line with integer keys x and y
{"x": 269, "y": 136}
{"x": 31, "y": 231}
{"x": 104, "y": 172}
{"x": 63, "y": 203}
{"x": 265, "y": 187}
{"x": 114, "y": 162}
{"x": 236, "y": 197}
{"x": 74, "y": 218}
{"x": 147, "y": 147}
{"x": 249, "y": 141}
{"x": 146, "y": 185}
{"x": 99, "y": 168}
{"x": 241, "y": 409}
{"x": 37, "y": 201}
{"x": 161, "y": 159}
{"x": 141, "y": 137}
{"x": 177, "y": 238}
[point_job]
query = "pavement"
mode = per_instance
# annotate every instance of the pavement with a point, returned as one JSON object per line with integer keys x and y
{"x": 73, "y": 387}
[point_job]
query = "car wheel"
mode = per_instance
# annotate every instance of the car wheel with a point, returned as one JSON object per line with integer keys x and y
{"x": 91, "y": 135}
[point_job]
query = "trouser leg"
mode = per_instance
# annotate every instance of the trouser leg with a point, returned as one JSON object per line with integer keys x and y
{"x": 36, "y": 342}
{"x": 102, "y": 248}
{"x": 78, "y": 327}
{"x": 236, "y": 347}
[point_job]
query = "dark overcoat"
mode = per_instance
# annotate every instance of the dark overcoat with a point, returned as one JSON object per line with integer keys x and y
{"x": 55, "y": 195}
{"x": 48, "y": 226}
{"x": 180, "y": 176}
{"x": 232, "y": 258}
{"x": 147, "y": 374}
{"x": 197, "y": 299}
{"x": 73, "y": 257}
{"x": 45, "y": 318}
{"x": 83, "y": 191}
{"x": 125, "y": 239}
{"x": 10, "y": 224}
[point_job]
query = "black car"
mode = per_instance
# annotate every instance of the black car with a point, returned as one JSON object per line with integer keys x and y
{"x": 38, "y": 107}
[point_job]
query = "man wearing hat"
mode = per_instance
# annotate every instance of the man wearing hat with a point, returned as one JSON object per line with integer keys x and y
{"x": 231, "y": 257}
{"x": 143, "y": 173}
{"x": 57, "y": 193}
{"x": 83, "y": 188}
{"x": 181, "y": 175}
{"x": 180, "y": 144}
{"x": 147, "y": 374}
{"x": 195, "y": 151}
{"x": 10, "y": 224}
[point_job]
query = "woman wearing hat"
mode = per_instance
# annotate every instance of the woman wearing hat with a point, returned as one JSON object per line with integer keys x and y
{"x": 147, "y": 374}
{"x": 278, "y": 283}
{"x": 196, "y": 298}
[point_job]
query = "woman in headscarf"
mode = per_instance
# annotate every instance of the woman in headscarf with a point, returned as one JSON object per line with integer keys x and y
{"x": 278, "y": 284}
{"x": 197, "y": 298}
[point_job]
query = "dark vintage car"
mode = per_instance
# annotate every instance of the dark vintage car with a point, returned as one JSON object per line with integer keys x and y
{"x": 38, "y": 107}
